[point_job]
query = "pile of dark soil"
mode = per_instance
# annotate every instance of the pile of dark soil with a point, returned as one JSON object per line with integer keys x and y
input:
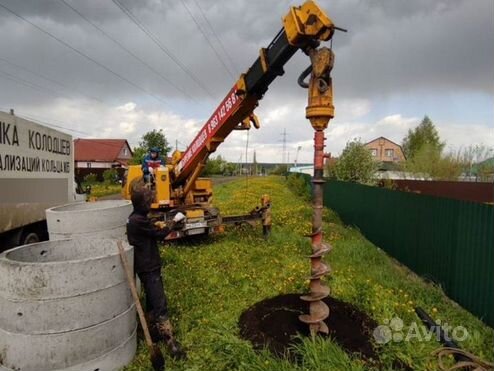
{"x": 273, "y": 323}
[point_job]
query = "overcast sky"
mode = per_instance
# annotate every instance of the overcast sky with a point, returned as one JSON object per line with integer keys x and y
{"x": 400, "y": 60}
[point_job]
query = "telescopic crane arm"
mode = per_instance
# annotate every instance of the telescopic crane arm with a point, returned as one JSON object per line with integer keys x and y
{"x": 303, "y": 28}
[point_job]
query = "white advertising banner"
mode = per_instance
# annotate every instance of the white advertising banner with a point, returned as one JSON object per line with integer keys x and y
{"x": 36, "y": 162}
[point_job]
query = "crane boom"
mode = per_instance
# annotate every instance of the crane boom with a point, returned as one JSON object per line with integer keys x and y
{"x": 177, "y": 186}
{"x": 303, "y": 28}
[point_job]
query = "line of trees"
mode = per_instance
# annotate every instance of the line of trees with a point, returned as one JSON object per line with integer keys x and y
{"x": 425, "y": 158}
{"x": 423, "y": 148}
{"x": 425, "y": 155}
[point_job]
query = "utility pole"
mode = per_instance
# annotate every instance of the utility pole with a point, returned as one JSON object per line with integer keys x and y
{"x": 283, "y": 155}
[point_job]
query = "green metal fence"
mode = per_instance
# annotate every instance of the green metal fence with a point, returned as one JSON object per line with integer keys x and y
{"x": 448, "y": 241}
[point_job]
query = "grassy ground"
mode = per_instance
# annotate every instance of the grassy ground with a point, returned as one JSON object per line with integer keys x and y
{"x": 102, "y": 189}
{"x": 210, "y": 284}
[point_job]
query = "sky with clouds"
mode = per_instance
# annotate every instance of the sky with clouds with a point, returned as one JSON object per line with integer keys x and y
{"x": 106, "y": 78}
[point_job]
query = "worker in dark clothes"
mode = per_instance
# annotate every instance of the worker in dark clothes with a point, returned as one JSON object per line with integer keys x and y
{"x": 143, "y": 235}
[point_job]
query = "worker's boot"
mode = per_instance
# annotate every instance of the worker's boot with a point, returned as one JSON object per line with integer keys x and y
{"x": 152, "y": 327}
{"x": 165, "y": 330}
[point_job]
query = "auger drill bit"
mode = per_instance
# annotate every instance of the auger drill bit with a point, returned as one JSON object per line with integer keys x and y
{"x": 319, "y": 111}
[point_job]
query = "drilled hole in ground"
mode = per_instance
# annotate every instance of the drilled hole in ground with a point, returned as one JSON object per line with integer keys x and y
{"x": 273, "y": 324}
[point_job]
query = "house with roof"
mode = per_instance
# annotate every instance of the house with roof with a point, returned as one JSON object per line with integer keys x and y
{"x": 101, "y": 153}
{"x": 97, "y": 155}
{"x": 384, "y": 150}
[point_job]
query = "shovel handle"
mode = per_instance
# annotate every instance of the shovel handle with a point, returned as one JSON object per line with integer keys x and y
{"x": 133, "y": 290}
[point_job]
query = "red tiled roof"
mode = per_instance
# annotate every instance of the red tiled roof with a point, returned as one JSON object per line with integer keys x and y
{"x": 98, "y": 149}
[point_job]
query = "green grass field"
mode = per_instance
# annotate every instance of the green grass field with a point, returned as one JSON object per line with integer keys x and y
{"x": 102, "y": 189}
{"x": 210, "y": 284}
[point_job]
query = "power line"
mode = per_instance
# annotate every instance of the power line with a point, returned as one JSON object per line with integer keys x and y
{"x": 119, "y": 44}
{"x": 52, "y": 125}
{"x": 216, "y": 35}
{"x": 156, "y": 41}
{"x": 49, "y": 79}
{"x": 67, "y": 45}
{"x": 29, "y": 84}
{"x": 207, "y": 39}
{"x": 45, "y": 123}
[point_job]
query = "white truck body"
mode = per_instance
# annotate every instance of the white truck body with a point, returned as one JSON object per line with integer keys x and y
{"x": 36, "y": 172}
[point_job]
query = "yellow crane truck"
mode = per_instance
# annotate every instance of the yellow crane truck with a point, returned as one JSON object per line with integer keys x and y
{"x": 178, "y": 186}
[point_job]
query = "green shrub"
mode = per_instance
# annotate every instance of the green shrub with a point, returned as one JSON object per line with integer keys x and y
{"x": 280, "y": 170}
{"x": 91, "y": 178}
{"x": 298, "y": 184}
{"x": 110, "y": 176}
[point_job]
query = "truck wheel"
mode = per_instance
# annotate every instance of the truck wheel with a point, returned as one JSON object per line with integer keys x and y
{"x": 28, "y": 237}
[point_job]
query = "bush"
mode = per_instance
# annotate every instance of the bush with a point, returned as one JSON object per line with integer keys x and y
{"x": 217, "y": 166}
{"x": 429, "y": 162}
{"x": 110, "y": 176}
{"x": 356, "y": 164}
{"x": 280, "y": 170}
{"x": 299, "y": 185}
{"x": 388, "y": 184}
{"x": 91, "y": 178}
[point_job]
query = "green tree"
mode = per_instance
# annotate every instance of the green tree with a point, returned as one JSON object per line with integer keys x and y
{"x": 355, "y": 164}
{"x": 110, "y": 176}
{"x": 216, "y": 166}
{"x": 474, "y": 158}
{"x": 424, "y": 133}
{"x": 229, "y": 169}
{"x": 299, "y": 185}
{"x": 484, "y": 171}
{"x": 280, "y": 169}
{"x": 330, "y": 169}
{"x": 90, "y": 179}
{"x": 154, "y": 138}
{"x": 429, "y": 162}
